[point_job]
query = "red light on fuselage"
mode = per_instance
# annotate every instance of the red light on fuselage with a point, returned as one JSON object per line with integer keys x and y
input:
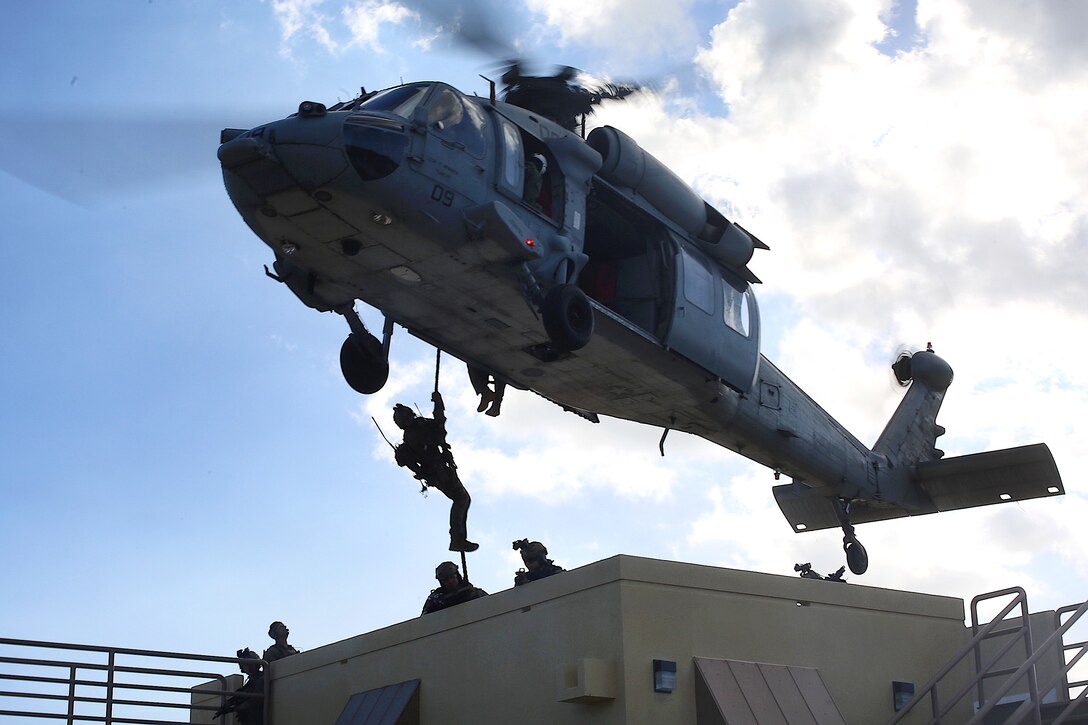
{"x": 530, "y": 243}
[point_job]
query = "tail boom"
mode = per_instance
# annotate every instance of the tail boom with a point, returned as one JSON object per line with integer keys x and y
{"x": 910, "y": 475}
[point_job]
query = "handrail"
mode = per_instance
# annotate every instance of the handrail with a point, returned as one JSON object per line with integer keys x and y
{"x": 930, "y": 687}
{"x": 1082, "y": 649}
{"x": 112, "y": 685}
{"x": 1058, "y": 614}
{"x": 1025, "y": 630}
{"x": 1029, "y": 666}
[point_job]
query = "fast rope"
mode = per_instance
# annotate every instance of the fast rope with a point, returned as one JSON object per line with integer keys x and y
{"x": 437, "y": 369}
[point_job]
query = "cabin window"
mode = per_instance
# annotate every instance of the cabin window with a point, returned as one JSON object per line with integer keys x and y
{"x": 458, "y": 122}
{"x": 401, "y": 100}
{"x": 698, "y": 284}
{"x": 513, "y": 164}
{"x": 736, "y": 308}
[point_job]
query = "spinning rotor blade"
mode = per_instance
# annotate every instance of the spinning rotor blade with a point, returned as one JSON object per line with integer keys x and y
{"x": 88, "y": 158}
{"x": 475, "y": 25}
{"x": 900, "y": 368}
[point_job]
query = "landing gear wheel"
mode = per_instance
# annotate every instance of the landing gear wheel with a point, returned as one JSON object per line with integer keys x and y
{"x": 568, "y": 317}
{"x": 363, "y": 363}
{"x": 856, "y": 556}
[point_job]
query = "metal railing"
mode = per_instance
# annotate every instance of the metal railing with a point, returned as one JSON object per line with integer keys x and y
{"x": 1081, "y": 648}
{"x": 114, "y": 678}
{"x": 1032, "y": 705}
{"x": 1012, "y": 675}
{"x": 973, "y": 646}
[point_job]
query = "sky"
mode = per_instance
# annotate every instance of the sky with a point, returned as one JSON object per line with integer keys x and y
{"x": 183, "y": 462}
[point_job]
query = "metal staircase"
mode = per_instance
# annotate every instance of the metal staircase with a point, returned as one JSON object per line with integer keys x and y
{"x": 991, "y": 647}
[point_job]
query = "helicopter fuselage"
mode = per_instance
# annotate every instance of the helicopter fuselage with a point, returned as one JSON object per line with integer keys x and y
{"x": 456, "y": 216}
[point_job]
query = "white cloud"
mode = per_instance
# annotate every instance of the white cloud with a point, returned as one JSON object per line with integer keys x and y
{"x": 629, "y": 30}
{"x": 365, "y": 19}
{"x": 323, "y": 23}
{"x": 302, "y": 18}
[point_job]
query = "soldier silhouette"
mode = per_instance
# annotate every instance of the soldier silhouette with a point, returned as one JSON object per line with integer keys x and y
{"x": 427, "y": 455}
{"x": 249, "y": 710}
{"x": 278, "y": 631}
{"x": 537, "y": 564}
{"x": 453, "y": 589}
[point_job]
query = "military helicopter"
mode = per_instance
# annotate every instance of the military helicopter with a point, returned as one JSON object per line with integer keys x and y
{"x": 583, "y": 269}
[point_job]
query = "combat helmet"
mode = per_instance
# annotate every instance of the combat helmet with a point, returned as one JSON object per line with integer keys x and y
{"x": 534, "y": 550}
{"x": 445, "y": 570}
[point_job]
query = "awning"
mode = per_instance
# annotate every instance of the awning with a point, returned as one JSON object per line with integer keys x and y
{"x": 730, "y": 692}
{"x": 390, "y": 705}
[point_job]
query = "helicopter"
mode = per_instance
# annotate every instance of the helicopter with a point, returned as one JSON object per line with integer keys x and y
{"x": 582, "y": 268}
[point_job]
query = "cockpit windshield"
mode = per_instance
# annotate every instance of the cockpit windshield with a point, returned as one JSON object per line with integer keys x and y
{"x": 449, "y": 114}
{"x": 401, "y": 100}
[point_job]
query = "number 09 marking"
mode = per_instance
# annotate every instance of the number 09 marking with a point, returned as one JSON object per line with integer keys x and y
{"x": 442, "y": 195}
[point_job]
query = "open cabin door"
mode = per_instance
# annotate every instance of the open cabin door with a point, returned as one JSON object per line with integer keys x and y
{"x": 661, "y": 283}
{"x": 631, "y": 261}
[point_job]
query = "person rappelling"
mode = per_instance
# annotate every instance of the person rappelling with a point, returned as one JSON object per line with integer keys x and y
{"x": 425, "y": 452}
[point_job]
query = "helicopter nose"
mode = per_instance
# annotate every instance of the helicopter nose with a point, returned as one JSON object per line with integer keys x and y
{"x": 277, "y": 170}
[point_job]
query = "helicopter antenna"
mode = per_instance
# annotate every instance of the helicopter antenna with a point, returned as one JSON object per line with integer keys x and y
{"x": 490, "y": 83}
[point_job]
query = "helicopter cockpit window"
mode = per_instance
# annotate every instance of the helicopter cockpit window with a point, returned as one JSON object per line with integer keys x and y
{"x": 456, "y": 120}
{"x": 698, "y": 284}
{"x": 736, "y": 308}
{"x": 512, "y": 159}
{"x": 401, "y": 100}
{"x": 446, "y": 110}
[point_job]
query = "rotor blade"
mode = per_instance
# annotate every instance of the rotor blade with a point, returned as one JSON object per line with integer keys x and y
{"x": 86, "y": 159}
{"x": 476, "y": 24}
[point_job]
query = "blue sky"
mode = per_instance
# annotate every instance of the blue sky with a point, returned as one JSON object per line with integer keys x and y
{"x": 184, "y": 464}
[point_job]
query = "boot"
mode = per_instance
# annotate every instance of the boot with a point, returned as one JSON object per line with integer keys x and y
{"x": 463, "y": 545}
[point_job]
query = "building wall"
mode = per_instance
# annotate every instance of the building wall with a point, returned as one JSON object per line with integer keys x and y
{"x": 859, "y": 638}
{"x": 578, "y": 647}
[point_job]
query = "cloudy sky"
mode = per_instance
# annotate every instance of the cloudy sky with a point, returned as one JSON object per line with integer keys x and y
{"x": 183, "y": 462}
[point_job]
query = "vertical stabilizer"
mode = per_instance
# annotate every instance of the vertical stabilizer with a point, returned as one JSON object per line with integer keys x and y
{"x": 911, "y": 435}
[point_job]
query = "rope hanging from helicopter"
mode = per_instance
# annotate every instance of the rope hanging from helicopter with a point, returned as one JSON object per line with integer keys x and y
{"x": 437, "y": 371}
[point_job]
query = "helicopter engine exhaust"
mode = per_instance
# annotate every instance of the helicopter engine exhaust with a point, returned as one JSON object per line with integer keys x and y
{"x": 628, "y": 165}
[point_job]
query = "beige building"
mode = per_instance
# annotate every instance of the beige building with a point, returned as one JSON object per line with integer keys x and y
{"x": 580, "y": 647}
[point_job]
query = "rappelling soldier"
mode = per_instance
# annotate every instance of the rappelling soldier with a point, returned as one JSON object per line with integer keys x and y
{"x": 453, "y": 589}
{"x": 427, "y": 455}
{"x": 537, "y": 564}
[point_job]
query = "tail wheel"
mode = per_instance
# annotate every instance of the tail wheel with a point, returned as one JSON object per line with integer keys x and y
{"x": 363, "y": 363}
{"x": 856, "y": 556}
{"x": 568, "y": 317}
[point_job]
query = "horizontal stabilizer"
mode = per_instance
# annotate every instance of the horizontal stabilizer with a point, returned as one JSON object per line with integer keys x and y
{"x": 808, "y": 509}
{"x": 980, "y": 479}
